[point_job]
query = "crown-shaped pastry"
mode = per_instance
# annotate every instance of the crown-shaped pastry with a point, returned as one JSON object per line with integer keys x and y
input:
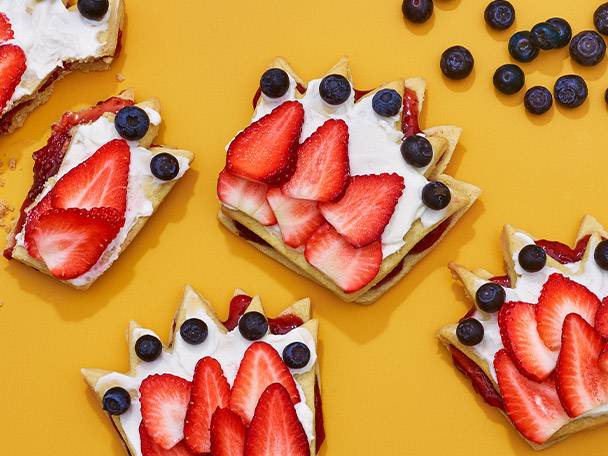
{"x": 249, "y": 382}
{"x": 534, "y": 344}
{"x": 341, "y": 186}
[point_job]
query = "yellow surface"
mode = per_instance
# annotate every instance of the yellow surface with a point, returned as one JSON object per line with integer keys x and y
{"x": 388, "y": 387}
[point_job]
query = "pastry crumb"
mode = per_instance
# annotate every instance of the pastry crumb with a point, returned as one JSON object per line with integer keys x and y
{"x": 120, "y": 77}
{"x": 12, "y": 164}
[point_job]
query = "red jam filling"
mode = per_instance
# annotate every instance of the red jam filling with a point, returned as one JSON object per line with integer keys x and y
{"x": 431, "y": 238}
{"x": 563, "y": 253}
{"x": 319, "y": 421}
{"x": 504, "y": 281}
{"x": 409, "y": 118}
{"x": 391, "y": 275}
{"x": 278, "y": 326}
{"x": 360, "y": 94}
{"x": 249, "y": 235}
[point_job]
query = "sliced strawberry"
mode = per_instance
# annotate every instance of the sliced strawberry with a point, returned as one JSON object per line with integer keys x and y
{"x": 99, "y": 181}
{"x": 297, "y": 218}
{"x": 228, "y": 433}
{"x": 164, "y": 400}
{"x": 581, "y": 384}
{"x": 559, "y": 297}
{"x": 534, "y": 408}
{"x": 43, "y": 206}
{"x": 70, "y": 241}
{"x": 349, "y": 267}
{"x": 366, "y": 207}
{"x": 275, "y": 429}
{"x": 517, "y": 322}
{"x": 266, "y": 150}
{"x": 150, "y": 448}
{"x": 601, "y": 318}
{"x": 323, "y": 170}
{"x": 603, "y": 360}
{"x": 12, "y": 67}
{"x": 246, "y": 196}
{"x": 210, "y": 390}
{"x": 6, "y": 31}
{"x": 261, "y": 366}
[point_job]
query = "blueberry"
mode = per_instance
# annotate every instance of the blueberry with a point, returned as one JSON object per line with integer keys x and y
{"x": 334, "y": 89}
{"x": 296, "y": 355}
{"x": 194, "y": 331}
{"x": 564, "y": 30}
{"x": 436, "y": 195}
{"x": 600, "y": 18}
{"x": 570, "y": 91}
{"x": 469, "y": 332}
{"x": 387, "y": 102}
{"x": 457, "y": 62}
{"x": 490, "y": 297}
{"x": 417, "y": 11}
{"x": 132, "y": 123}
{"x": 545, "y": 36}
{"x": 532, "y": 258}
{"x": 538, "y": 100}
{"x": 116, "y": 401}
{"x": 601, "y": 255}
{"x": 274, "y": 83}
{"x": 253, "y": 326}
{"x": 93, "y": 9}
{"x": 522, "y": 48}
{"x": 499, "y": 14}
{"x": 587, "y": 48}
{"x": 148, "y": 348}
{"x": 417, "y": 151}
{"x": 509, "y": 79}
{"x": 164, "y": 166}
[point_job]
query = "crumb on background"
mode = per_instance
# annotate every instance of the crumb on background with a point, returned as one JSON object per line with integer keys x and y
{"x": 120, "y": 77}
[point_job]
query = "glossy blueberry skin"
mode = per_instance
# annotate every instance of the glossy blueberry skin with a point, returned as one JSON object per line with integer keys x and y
{"x": 132, "y": 123}
{"x": 94, "y": 10}
{"x": 522, "y": 48}
{"x": 253, "y": 326}
{"x": 564, "y": 30}
{"x": 436, "y": 195}
{"x": 417, "y": 151}
{"x": 532, "y": 258}
{"x": 545, "y": 36}
{"x": 538, "y": 100}
{"x": 164, "y": 166}
{"x": 116, "y": 401}
{"x": 490, "y": 297}
{"x": 387, "y": 102}
{"x": 194, "y": 331}
{"x": 570, "y": 91}
{"x": 600, "y": 18}
{"x": 457, "y": 62}
{"x": 417, "y": 11}
{"x": 296, "y": 355}
{"x": 509, "y": 79}
{"x": 601, "y": 255}
{"x": 334, "y": 89}
{"x": 274, "y": 83}
{"x": 587, "y": 48}
{"x": 148, "y": 348}
{"x": 469, "y": 332}
{"x": 499, "y": 14}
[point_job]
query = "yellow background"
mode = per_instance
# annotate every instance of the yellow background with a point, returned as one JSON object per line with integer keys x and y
{"x": 388, "y": 387}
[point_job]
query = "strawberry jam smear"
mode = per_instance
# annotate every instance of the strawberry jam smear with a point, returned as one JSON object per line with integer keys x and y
{"x": 278, "y": 326}
{"x": 563, "y": 253}
{"x": 411, "y": 110}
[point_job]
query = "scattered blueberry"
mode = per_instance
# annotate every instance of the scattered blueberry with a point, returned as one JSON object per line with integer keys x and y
{"x": 164, "y": 166}
{"x": 499, "y": 14}
{"x": 601, "y": 255}
{"x": 457, "y": 62}
{"x": 564, "y": 30}
{"x": 253, "y": 326}
{"x": 93, "y": 9}
{"x": 545, "y": 36}
{"x": 532, "y": 258}
{"x": 335, "y": 89}
{"x": 509, "y": 79}
{"x": 148, "y": 348}
{"x": 490, "y": 297}
{"x": 538, "y": 100}
{"x": 194, "y": 331}
{"x": 274, "y": 83}
{"x": 587, "y": 48}
{"x": 570, "y": 91}
{"x": 296, "y": 355}
{"x": 132, "y": 123}
{"x": 469, "y": 332}
{"x": 116, "y": 401}
{"x": 600, "y": 18}
{"x": 417, "y": 11}
{"x": 417, "y": 151}
{"x": 436, "y": 195}
{"x": 522, "y": 48}
{"x": 387, "y": 102}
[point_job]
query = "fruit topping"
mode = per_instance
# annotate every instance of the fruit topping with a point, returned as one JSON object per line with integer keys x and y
{"x": 334, "y": 89}
{"x": 538, "y": 100}
{"x": 116, "y": 401}
{"x": 417, "y": 11}
{"x": 6, "y": 30}
{"x": 563, "y": 29}
{"x": 150, "y": 448}
{"x": 522, "y": 48}
{"x": 194, "y": 331}
{"x": 238, "y": 306}
{"x": 562, "y": 253}
{"x": 94, "y": 10}
{"x": 265, "y": 151}
{"x": 490, "y": 297}
{"x": 601, "y": 318}
{"x": 326, "y": 149}
{"x": 253, "y": 325}
{"x": 545, "y": 36}
{"x": 410, "y": 112}
{"x": 246, "y": 196}
{"x": 148, "y": 348}
{"x": 274, "y": 83}
{"x": 132, "y": 123}
{"x": 12, "y": 67}
{"x": 509, "y": 79}
{"x": 296, "y": 355}
{"x": 228, "y": 433}
{"x": 417, "y": 151}
{"x": 387, "y": 102}
{"x": 436, "y": 195}
{"x": 600, "y": 255}
{"x": 600, "y": 18}
{"x": 532, "y": 258}
{"x": 570, "y": 91}
{"x": 457, "y": 62}
{"x": 499, "y": 14}
{"x": 587, "y": 48}
{"x": 469, "y": 332}
{"x": 164, "y": 166}
{"x": 603, "y": 359}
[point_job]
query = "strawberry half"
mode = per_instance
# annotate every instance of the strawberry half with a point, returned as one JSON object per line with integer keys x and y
{"x": 247, "y": 196}
{"x": 603, "y": 360}
{"x": 164, "y": 400}
{"x": 297, "y": 218}
{"x": 581, "y": 384}
{"x": 6, "y": 30}
{"x": 210, "y": 391}
{"x": 275, "y": 429}
{"x": 12, "y": 67}
{"x": 150, "y": 448}
{"x": 559, "y": 297}
{"x": 99, "y": 181}
{"x": 366, "y": 207}
{"x": 349, "y": 267}
{"x": 266, "y": 150}
{"x": 534, "y": 408}
{"x": 260, "y": 367}
{"x": 323, "y": 168}
{"x": 228, "y": 433}
{"x": 601, "y": 318}
{"x": 70, "y": 241}
{"x": 517, "y": 322}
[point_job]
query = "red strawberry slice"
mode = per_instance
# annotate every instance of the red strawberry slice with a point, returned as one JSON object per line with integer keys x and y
{"x": 323, "y": 170}
{"x": 150, "y": 448}
{"x": 581, "y": 384}
{"x": 6, "y": 31}
{"x": 261, "y": 366}
{"x": 164, "y": 400}
{"x": 70, "y": 241}
{"x": 12, "y": 67}
{"x": 366, "y": 207}
{"x": 601, "y": 318}
{"x": 603, "y": 361}
{"x": 275, "y": 429}
{"x": 266, "y": 150}
{"x": 247, "y": 196}
{"x": 349, "y": 267}
{"x": 534, "y": 408}
{"x": 99, "y": 181}
{"x": 297, "y": 218}
{"x": 34, "y": 214}
{"x": 210, "y": 390}
{"x": 517, "y": 322}
{"x": 228, "y": 433}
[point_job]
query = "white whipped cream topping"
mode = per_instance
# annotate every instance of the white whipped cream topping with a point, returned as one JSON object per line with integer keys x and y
{"x": 49, "y": 35}
{"x": 227, "y": 348}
